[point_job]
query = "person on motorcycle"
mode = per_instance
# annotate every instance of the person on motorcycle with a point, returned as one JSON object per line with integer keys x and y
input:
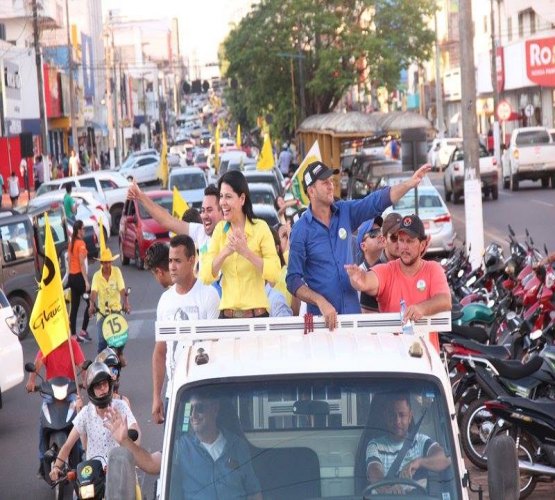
{"x": 110, "y": 358}
{"x": 90, "y": 420}
{"x": 108, "y": 290}
{"x": 57, "y": 364}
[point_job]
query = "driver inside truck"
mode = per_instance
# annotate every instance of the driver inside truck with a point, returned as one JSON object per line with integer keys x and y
{"x": 402, "y": 448}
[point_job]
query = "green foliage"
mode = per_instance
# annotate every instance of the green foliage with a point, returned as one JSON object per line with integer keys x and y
{"x": 334, "y": 41}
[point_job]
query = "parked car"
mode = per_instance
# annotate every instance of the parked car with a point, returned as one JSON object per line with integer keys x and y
{"x": 262, "y": 194}
{"x": 268, "y": 177}
{"x": 111, "y": 187}
{"x": 21, "y": 256}
{"x": 11, "y": 352}
{"x": 431, "y": 209}
{"x": 453, "y": 178}
{"x": 266, "y": 212}
{"x": 191, "y": 183}
{"x": 142, "y": 169}
{"x": 232, "y": 160}
{"x": 441, "y": 151}
{"x": 530, "y": 156}
{"x": 138, "y": 230}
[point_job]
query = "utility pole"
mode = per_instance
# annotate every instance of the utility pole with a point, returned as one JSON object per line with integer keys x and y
{"x": 493, "y": 59}
{"x": 439, "y": 95}
{"x": 116, "y": 91}
{"x": 472, "y": 183}
{"x": 40, "y": 81}
{"x": 71, "y": 86}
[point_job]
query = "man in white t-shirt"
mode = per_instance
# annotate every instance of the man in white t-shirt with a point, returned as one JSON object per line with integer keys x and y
{"x": 74, "y": 165}
{"x": 210, "y": 213}
{"x": 186, "y": 299}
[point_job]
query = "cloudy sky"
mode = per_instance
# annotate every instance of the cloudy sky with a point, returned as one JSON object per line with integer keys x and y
{"x": 203, "y": 24}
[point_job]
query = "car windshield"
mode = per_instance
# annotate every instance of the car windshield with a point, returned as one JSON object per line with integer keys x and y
{"x": 262, "y": 197}
{"x": 164, "y": 201}
{"x": 185, "y": 182}
{"x": 424, "y": 201}
{"x": 308, "y": 437}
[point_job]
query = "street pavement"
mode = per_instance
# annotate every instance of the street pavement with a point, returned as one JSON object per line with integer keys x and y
{"x": 531, "y": 208}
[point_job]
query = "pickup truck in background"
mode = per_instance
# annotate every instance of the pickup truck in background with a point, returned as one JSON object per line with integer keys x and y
{"x": 530, "y": 156}
{"x": 453, "y": 178}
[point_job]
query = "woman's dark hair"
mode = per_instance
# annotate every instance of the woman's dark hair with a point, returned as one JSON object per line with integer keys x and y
{"x": 236, "y": 180}
{"x": 76, "y": 227}
{"x": 277, "y": 243}
{"x": 276, "y": 205}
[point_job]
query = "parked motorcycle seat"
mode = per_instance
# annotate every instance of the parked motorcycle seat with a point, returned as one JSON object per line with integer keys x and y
{"x": 493, "y": 351}
{"x": 514, "y": 369}
{"x": 470, "y": 332}
{"x": 543, "y": 406}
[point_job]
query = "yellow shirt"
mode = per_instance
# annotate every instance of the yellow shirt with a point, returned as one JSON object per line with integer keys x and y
{"x": 108, "y": 290}
{"x": 280, "y": 286}
{"x": 242, "y": 284}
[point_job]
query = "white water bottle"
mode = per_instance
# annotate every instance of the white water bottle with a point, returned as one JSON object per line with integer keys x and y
{"x": 407, "y": 327}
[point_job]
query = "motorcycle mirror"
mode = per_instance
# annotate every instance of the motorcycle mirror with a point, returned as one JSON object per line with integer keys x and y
{"x": 536, "y": 334}
{"x": 511, "y": 231}
{"x": 30, "y": 367}
{"x": 545, "y": 249}
{"x": 471, "y": 281}
{"x": 531, "y": 241}
{"x": 460, "y": 273}
{"x": 527, "y": 233}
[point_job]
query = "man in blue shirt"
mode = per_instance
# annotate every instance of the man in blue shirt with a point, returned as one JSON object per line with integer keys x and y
{"x": 320, "y": 242}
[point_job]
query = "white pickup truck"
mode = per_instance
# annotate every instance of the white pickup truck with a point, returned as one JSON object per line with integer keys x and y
{"x": 530, "y": 156}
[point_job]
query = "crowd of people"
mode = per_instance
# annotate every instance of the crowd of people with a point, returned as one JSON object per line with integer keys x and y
{"x": 338, "y": 257}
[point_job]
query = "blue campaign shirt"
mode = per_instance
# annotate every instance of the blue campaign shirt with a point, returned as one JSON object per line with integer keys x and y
{"x": 318, "y": 254}
{"x": 231, "y": 476}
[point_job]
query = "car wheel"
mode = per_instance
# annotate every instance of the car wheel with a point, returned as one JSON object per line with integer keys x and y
{"x": 447, "y": 192}
{"x": 22, "y": 312}
{"x": 116, "y": 218}
{"x": 139, "y": 263}
{"x": 456, "y": 197}
{"x": 514, "y": 182}
{"x": 124, "y": 259}
{"x": 506, "y": 183}
{"x": 545, "y": 182}
{"x": 494, "y": 192}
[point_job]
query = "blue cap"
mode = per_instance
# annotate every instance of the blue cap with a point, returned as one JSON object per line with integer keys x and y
{"x": 366, "y": 226}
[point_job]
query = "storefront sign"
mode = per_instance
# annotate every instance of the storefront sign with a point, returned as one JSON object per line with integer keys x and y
{"x": 500, "y": 69}
{"x": 540, "y": 61}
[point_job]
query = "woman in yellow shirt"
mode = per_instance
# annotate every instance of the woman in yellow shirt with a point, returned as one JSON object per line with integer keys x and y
{"x": 242, "y": 250}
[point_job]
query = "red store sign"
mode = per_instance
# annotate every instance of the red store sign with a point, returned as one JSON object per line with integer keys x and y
{"x": 540, "y": 61}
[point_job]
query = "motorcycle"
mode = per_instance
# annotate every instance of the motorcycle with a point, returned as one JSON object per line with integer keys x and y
{"x": 57, "y": 414}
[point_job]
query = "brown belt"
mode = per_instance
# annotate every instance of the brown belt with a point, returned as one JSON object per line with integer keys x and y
{"x": 246, "y": 313}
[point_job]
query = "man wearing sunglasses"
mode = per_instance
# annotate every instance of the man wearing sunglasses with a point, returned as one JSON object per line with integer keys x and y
{"x": 371, "y": 243}
{"x": 391, "y": 244}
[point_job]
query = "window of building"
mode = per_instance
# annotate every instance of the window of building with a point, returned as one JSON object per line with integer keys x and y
{"x": 520, "y": 24}
{"x": 532, "y": 21}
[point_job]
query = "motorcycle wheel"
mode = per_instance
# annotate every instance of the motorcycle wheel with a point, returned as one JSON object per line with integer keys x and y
{"x": 477, "y": 425}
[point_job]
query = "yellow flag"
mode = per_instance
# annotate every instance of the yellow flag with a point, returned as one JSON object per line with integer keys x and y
{"x": 101, "y": 235}
{"x": 296, "y": 184}
{"x": 48, "y": 321}
{"x": 216, "y": 163}
{"x": 238, "y": 140}
{"x": 163, "y": 167}
{"x": 266, "y": 158}
{"x": 180, "y": 206}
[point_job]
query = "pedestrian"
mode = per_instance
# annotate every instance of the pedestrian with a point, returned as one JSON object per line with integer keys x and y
{"x": 65, "y": 165}
{"x": 2, "y": 189}
{"x": 95, "y": 165}
{"x": 73, "y": 164}
{"x": 241, "y": 249}
{"x": 70, "y": 205}
{"x": 371, "y": 243}
{"x": 421, "y": 284}
{"x": 186, "y": 299}
{"x": 490, "y": 141}
{"x": 38, "y": 172}
{"x": 325, "y": 230}
{"x": 89, "y": 421}
{"x": 13, "y": 189}
{"x": 108, "y": 294}
{"x": 284, "y": 160}
{"x": 78, "y": 280}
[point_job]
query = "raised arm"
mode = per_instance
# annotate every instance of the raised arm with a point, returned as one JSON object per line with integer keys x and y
{"x": 158, "y": 213}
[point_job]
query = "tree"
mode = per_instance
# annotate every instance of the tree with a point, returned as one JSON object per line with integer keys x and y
{"x": 333, "y": 43}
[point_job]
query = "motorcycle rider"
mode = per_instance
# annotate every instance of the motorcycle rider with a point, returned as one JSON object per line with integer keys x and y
{"x": 90, "y": 420}
{"x": 57, "y": 364}
{"x": 110, "y": 358}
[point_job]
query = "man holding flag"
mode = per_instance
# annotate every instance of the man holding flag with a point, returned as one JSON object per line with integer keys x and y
{"x": 50, "y": 325}
{"x": 321, "y": 241}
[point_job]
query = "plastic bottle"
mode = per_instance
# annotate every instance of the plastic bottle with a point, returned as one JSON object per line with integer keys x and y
{"x": 407, "y": 327}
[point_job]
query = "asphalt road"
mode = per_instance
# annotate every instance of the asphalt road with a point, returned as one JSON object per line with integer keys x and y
{"x": 531, "y": 208}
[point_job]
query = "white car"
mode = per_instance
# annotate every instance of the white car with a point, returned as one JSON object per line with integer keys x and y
{"x": 441, "y": 151}
{"x": 11, "y": 353}
{"x": 141, "y": 169}
{"x": 191, "y": 183}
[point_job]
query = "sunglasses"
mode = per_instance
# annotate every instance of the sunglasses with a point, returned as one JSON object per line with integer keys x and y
{"x": 393, "y": 238}
{"x": 373, "y": 234}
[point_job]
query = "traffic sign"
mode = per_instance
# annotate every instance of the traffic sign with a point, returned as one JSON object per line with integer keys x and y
{"x": 504, "y": 111}
{"x": 529, "y": 110}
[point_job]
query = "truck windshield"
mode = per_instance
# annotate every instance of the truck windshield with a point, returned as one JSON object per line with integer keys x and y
{"x": 531, "y": 137}
{"x": 310, "y": 438}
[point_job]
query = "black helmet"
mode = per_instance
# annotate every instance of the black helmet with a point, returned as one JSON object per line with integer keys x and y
{"x": 96, "y": 373}
{"x": 109, "y": 357}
